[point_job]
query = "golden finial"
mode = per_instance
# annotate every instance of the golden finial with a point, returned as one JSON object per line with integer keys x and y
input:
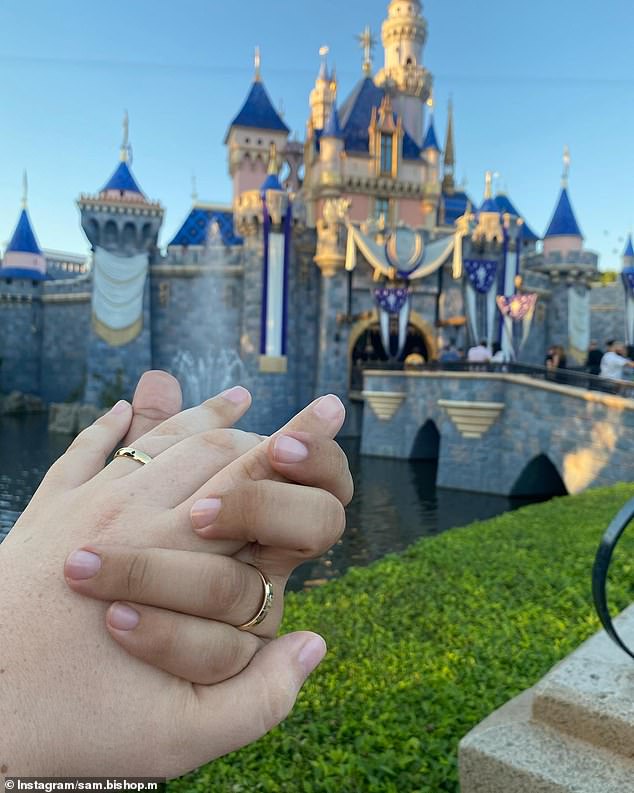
{"x": 25, "y": 189}
{"x": 564, "y": 177}
{"x": 488, "y": 184}
{"x": 258, "y": 64}
{"x": 430, "y": 101}
{"x": 368, "y": 43}
{"x": 194, "y": 190}
{"x": 273, "y": 160}
{"x": 125, "y": 145}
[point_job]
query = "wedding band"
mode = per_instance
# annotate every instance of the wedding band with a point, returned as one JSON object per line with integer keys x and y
{"x": 267, "y": 601}
{"x": 133, "y": 454}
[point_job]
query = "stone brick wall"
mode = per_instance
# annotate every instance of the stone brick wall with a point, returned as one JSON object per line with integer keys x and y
{"x": 588, "y": 436}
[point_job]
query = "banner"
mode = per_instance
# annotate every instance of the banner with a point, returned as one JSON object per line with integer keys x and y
{"x": 578, "y": 323}
{"x": 628, "y": 284}
{"x": 517, "y": 309}
{"x": 393, "y": 303}
{"x": 481, "y": 274}
{"x": 275, "y": 286}
{"x": 117, "y": 297}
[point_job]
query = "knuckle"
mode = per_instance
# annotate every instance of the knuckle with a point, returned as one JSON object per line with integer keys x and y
{"x": 226, "y": 591}
{"x": 138, "y": 576}
{"x": 220, "y": 440}
{"x": 334, "y": 520}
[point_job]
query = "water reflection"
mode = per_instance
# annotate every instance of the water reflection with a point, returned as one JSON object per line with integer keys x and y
{"x": 395, "y": 501}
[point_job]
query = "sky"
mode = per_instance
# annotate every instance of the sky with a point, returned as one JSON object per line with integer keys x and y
{"x": 526, "y": 79}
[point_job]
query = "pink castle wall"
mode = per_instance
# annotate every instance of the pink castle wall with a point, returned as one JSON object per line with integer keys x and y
{"x": 562, "y": 244}
{"x": 410, "y": 212}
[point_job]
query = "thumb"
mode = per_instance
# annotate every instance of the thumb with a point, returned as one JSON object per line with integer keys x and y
{"x": 238, "y": 711}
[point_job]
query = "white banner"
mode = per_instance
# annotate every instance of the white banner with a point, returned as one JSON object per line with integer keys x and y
{"x": 629, "y": 318}
{"x": 275, "y": 295}
{"x": 578, "y": 323}
{"x": 117, "y": 296}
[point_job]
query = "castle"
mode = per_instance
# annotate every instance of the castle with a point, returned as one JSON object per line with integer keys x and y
{"x": 354, "y": 246}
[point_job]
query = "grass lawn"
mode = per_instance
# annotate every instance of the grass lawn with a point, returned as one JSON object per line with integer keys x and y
{"x": 424, "y": 645}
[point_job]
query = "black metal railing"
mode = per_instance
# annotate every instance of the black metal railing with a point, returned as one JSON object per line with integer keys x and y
{"x": 577, "y": 378}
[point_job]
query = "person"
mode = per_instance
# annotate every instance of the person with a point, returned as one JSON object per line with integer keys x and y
{"x": 480, "y": 353}
{"x": 593, "y": 360}
{"x": 556, "y": 357}
{"x": 614, "y": 361}
{"x": 182, "y": 534}
{"x": 499, "y": 356}
{"x": 450, "y": 354}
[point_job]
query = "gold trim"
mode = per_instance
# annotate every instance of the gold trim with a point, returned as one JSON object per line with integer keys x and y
{"x": 472, "y": 419}
{"x": 117, "y": 338}
{"x": 272, "y": 364}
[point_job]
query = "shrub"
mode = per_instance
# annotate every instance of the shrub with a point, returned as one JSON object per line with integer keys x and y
{"x": 424, "y": 645}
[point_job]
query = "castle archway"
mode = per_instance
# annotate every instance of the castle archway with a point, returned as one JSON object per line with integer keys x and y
{"x": 539, "y": 478}
{"x": 426, "y": 443}
{"x": 365, "y": 346}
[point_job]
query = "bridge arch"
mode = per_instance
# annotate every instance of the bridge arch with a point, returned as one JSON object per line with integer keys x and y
{"x": 426, "y": 444}
{"x": 539, "y": 477}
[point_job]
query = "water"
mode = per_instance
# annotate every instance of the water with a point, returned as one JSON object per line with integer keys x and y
{"x": 395, "y": 502}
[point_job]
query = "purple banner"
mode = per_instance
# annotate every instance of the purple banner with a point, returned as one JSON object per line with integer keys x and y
{"x": 517, "y": 307}
{"x": 481, "y": 274}
{"x": 391, "y": 300}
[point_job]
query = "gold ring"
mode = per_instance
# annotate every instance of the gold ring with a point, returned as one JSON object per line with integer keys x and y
{"x": 267, "y": 601}
{"x": 133, "y": 454}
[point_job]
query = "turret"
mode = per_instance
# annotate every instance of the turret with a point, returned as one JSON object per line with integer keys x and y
{"x": 449, "y": 159}
{"x": 324, "y": 94}
{"x": 431, "y": 149}
{"x": 563, "y": 233}
{"x": 23, "y": 257}
{"x": 404, "y": 34}
{"x": 331, "y": 148}
{"x": 122, "y": 225}
{"x": 255, "y": 128}
{"x": 627, "y": 276}
{"x": 628, "y": 254}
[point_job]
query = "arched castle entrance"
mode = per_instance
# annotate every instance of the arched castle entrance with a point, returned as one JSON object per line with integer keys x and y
{"x": 365, "y": 346}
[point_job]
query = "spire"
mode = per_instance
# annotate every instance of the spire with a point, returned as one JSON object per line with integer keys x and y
{"x": 629, "y": 249}
{"x": 25, "y": 190}
{"x": 450, "y": 157}
{"x": 257, "y": 63}
{"x": 489, "y": 204}
{"x": 323, "y": 69}
{"x": 194, "y": 190}
{"x": 563, "y": 222}
{"x": 124, "y": 154}
{"x": 566, "y": 171}
{"x": 367, "y": 42}
{"x": 23, "y": 257}
{"x": 431, "y": 141}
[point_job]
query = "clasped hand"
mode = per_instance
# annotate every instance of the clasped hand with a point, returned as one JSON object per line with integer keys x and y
{"x": 163, "y": 558}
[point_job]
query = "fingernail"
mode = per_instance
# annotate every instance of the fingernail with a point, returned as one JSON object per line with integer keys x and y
{"x": 237, "y": 395}
{"x": 205, "y": 512}
{"x": 121, "y": 406}
{"x": 122, "y": 617}
{"x": 312, "y": 654}
{"x": 82, "y": 565}
{"x": 329, "y": 408}
{"x": 289, "y": 450}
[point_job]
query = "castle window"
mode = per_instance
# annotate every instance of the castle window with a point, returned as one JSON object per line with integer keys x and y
{"x": 387, "y": 150}
{"x": 382, "y": 208}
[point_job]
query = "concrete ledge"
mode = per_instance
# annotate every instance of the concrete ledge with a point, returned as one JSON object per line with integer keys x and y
{"x": 572, "y": 733}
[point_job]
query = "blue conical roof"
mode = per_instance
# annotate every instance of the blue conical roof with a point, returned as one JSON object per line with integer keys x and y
{"x": 431, "y": 141}
{"x": 333, "y": 127}
{"x": 563, "y": 223}
{"x": 489, "y": 205}
{"x": 122, "y": 179}
{"x": 629, "y": 250}
{"x": 258, "y": 111}
{"x": 271, "y": 183}
{"x": 23, "y": 239}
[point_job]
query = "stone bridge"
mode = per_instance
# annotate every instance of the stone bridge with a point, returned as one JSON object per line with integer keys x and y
{"x": 495, "y": 432}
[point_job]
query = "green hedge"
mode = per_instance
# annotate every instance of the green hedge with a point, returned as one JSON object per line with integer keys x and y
{"x": 424, "y": 645}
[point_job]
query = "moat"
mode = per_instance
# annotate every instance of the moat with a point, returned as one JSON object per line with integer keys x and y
{"x": 395, "y": 502}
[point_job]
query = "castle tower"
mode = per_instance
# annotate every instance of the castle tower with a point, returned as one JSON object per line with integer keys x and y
{"x": 251, "y": 134}
{"x": 404, "y": 34}
{"x": 22, "y": 270}
{"x": 324, "y": 94}
{"x": 122, "y": 226}
{"x": 571, "y": 270}
{"x": 23, "y": 255}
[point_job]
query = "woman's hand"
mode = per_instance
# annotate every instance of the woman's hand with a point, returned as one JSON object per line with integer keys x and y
{"x": 111, "y": 713}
